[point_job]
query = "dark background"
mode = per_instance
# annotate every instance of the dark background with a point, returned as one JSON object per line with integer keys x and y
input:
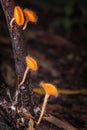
{"x": 67, "y": 18}
{"x": 59, "y": 43}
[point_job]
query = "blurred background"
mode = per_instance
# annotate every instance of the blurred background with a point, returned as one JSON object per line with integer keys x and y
{"x": 59, "y": 43}
{"x": 67, "y": 18}
{"x": 58, "y": 39}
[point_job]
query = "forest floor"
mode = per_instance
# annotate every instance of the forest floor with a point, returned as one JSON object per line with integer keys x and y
{"x": 61, "y": 63}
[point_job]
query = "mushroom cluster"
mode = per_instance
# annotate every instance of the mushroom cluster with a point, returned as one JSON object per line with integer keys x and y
{"x": 22, "y": 17}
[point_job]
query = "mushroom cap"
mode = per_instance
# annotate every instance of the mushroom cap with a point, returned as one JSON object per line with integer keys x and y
{"x": 18, "y": 15}
{"x": 30, "y": 15}
{"x": 31, "y": 63}
{"x": 50, "y": 89}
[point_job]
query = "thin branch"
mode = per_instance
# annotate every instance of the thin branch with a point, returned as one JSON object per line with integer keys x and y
{"x": 19, "y": 50}
{"x": 59, "y": 123}
{"x": 17, "y": 38}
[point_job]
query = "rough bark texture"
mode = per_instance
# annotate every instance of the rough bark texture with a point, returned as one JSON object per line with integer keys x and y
{"x": 19, "y": 50}
{"x": 16, "y": 35}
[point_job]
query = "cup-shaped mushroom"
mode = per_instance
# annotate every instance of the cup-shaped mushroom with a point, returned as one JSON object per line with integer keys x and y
{"x": 49, "y": 89}
{"x": 18, "y": 16}
{"x": 31, "y": 64}
{"x": 30, "y": 16}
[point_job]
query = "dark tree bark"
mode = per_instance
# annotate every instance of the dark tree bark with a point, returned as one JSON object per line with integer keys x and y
{"x": 19, "y": 50}
{"x": 17, "y": 39}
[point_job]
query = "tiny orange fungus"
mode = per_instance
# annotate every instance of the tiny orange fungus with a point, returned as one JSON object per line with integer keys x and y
{"x": 30, "y": 16}
{"x": 18, "y": 16}
{"x": 49, "y": 89}
{"x": 31, "y": 64}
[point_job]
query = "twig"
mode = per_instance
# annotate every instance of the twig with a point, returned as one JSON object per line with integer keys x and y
{"x": 61, "y": 124}
{"x": 16, "y": 34}
{"x": 19, "y": 48}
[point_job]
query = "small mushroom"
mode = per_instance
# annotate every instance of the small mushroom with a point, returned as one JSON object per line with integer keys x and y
{"x": 31, "y": 65}
{"x": 30, "y": 16}
{"x": 49, "y": 89}
{"x": 18, "y": 17}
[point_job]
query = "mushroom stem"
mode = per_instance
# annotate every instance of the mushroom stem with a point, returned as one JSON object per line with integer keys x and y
{"x": 17, "y": 91}
{"x": 11, "y": 22}
{"x": 24, "y": 77}
{"x": 43, "y": 108}
{"x": 25, "y": 25}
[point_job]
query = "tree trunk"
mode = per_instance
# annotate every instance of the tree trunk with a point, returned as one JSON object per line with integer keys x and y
{"x": 19, "y": 50}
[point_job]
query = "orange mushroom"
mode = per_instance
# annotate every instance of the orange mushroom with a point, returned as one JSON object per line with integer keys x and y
{"x": 31, "y": 65}
{"x": 49, "y": 89}
{"x": 30, "y": 16}
{"x": 18, "y": 17}
{"x": 62, "y": 91}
